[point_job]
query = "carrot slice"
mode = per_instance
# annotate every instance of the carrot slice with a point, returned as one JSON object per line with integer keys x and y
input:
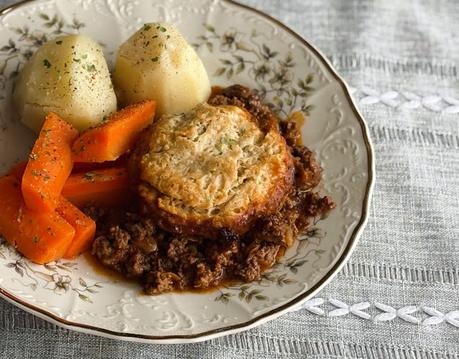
{"x": 50, "y": 164}
{"x": 102, "y": 187}
{"x": 115, "y": 137}
{"x": 41, "y": 237}
{"x": 91, "y": 166}
{"x": 85, "y": 228}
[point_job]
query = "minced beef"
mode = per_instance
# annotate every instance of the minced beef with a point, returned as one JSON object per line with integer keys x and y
{"x": 139, "y": 248}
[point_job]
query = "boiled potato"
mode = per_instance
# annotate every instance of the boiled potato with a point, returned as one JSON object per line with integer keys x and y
{"x": 69, "y": 76}
{"x": 157, "y": 63}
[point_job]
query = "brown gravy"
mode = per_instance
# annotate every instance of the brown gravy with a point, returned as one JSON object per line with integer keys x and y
{"x": 216, "y": 90}
{"x": 104, "y": 271}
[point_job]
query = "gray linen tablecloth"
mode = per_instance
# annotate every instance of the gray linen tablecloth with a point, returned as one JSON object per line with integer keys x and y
{"x": 399, "y": 294}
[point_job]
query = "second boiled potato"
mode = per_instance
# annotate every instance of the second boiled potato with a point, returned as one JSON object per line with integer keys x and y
{"x": 156, "y": 63}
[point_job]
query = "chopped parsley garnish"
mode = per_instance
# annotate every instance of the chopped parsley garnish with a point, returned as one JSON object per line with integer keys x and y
{"x": 47, "y": 63}
{"x": 35, "y": 239}
{"x": 59, "y": 42}
{"x": 227, "y": 141}
{"x": 155, "y": 59}
{"x": 162, "y": 29}
{"x": 91, "y": 68}
{"x": 146, "y": 27}
{"x": 35, "y": 173}
{"x": 84, "y": 56}
{"x": 76, "y": 60}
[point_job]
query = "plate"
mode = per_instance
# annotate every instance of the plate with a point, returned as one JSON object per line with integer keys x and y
{"x": 237, "y": 45}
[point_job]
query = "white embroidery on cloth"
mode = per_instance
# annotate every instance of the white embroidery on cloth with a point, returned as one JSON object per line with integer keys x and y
{"x": 406, "y": 100}
{"x": 420, "y": 315}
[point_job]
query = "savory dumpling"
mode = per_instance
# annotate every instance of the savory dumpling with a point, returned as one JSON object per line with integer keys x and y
{"x": 68, "y": 76}
{"x": 157, "y": 63}
{"x": 210, "y": 170}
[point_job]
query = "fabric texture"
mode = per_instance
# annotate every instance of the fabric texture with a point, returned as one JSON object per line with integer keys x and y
{"x": 398, "y": 297}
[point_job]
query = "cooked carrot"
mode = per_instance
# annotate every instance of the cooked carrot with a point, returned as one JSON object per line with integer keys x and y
{"x": 91, "y": 166}
{"x": 49, "y": 165}
{"x": 41, "y": 237}
{"x": 116, "y": 136}
{"x": 85, "y": 228}
{"x": 103, "y": 187}
{"x": 18, "y": 169}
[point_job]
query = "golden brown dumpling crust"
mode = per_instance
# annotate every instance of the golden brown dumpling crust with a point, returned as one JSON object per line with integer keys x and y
{"x": 212, "y": 170}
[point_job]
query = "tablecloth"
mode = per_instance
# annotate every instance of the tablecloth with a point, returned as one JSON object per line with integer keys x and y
{"x": 398, "y": 297}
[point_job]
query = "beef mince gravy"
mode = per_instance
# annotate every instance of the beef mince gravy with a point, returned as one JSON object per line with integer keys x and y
{"x": 134, "y": 244}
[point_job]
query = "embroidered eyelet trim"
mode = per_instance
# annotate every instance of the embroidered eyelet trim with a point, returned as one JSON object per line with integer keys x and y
{"x": 346, "y": 62}
{"x": 400, "y": 274}
{"x": 420, "y": 315}
{"x": 406, "y": 100}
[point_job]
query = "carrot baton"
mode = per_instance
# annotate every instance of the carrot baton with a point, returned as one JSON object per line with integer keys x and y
{"x": 49, "y": 165}
{"x": 41, "y": 237}
{"x": 91, "y": 166}
{"x": 116, "y": 136}
{"x": 102, "y": 187}
{"x": 85, "y": 228}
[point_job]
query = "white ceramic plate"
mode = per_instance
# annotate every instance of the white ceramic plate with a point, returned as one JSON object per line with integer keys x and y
{"x": 237, "y": 45}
